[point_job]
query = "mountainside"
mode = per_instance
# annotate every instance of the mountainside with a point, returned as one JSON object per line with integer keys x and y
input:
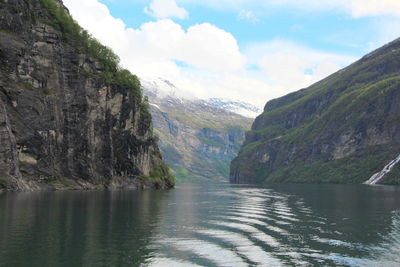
{"x": 70, "y": 117}
{"x": 197, "y": 139}
{"x": 238, "y": 107}
{"x": 342, "y": 129}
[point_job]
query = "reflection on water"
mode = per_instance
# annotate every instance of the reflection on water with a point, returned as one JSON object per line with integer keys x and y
{"x": 77, "y": 228}
{"x": 204, "y": 225}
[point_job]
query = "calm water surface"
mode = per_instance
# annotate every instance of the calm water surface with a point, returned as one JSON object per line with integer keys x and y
{"x": 204, "y": 225}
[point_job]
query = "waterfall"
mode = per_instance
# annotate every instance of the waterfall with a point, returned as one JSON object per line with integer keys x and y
{"x": 377, "y": 177}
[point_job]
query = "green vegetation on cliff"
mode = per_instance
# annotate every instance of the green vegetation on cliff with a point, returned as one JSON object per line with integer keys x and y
{"x": 71, "y": 117}
{"x": 393, "y": 177}
{"x": 111, "y": 72}
{"x": 73, "y": 33}
{"x": 342, "y": 129}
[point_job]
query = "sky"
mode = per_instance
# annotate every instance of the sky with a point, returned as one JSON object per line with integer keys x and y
{"x": 248, "y": 50}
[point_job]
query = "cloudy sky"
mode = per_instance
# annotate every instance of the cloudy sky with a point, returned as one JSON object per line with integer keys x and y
{"x": 250, "y": 50}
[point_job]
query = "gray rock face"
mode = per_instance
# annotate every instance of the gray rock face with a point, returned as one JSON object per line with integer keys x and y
{"x": 61, "y": 124}
{"x": 342, "y": 129}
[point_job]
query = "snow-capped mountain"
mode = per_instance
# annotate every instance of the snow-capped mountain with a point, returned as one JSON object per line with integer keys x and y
{"x": 163, "y": 88}
{"x": 159, "y": 85}
{"x": 238, "y": 107}
{"x": 198, "y": 138}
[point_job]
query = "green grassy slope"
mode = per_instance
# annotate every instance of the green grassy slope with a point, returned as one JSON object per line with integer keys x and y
{"x": 341, "y": 129}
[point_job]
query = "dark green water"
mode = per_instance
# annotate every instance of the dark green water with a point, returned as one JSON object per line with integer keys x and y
{"x": 204, "y": 225}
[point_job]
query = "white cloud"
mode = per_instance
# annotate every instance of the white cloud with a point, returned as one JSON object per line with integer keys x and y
{"x": 383, "y": 16}
{"x": 292, "y": 66}
{"x": 209, "y": 47}
{"x": 247, "y": 15}
{"x": 205, "y": 60}
{"x": 387, "y": 29}
{"x": 201, "y": 46}
{"x": 357, "y": 8}
{"x": 163, "y": 9}
{"x": 361, "y": 8}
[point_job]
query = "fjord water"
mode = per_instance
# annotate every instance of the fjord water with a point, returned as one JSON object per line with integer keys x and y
{"x": 203, "y": 225}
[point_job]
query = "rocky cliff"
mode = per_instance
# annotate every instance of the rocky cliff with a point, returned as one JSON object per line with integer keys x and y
{"x": 342, "y": 129}
{"x": 70, "y": 117}
{"x": 198, "y": 138}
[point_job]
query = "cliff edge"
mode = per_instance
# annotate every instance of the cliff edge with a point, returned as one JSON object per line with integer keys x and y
{"x": 70, "y": 117}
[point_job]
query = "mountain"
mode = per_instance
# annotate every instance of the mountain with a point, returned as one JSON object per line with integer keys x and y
{"x": 238, "y": 107}
{"x": 343, "y": 129}
{"x": 197, "y": 139}
{"x": 70, "y": 117}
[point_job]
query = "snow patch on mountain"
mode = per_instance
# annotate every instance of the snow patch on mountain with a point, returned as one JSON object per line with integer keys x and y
{"x": 236, "y": 106}
{"x": 164, "y": 89}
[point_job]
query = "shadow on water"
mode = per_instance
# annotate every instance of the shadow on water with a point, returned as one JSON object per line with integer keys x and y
{"x": 109, "y": 228}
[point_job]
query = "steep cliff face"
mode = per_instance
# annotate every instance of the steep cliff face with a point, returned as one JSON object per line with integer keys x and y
{"x": 342, "y": 129}
{"x": 198, "y": 140}
{"x": 69, "y": 116}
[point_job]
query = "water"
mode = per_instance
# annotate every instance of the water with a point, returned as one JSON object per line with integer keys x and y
{"x": 204, "y": 225}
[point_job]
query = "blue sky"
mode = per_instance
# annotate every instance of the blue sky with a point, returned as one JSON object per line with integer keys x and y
{"x": 250, "y": 50}
{"x": 334, "y": 30}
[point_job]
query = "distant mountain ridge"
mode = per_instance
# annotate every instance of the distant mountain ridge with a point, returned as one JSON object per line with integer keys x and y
{"x": 163, "y": 87}
{"x": 235, "y": 106}
{"x": 342, "y": 129}
{"x": 198, "y": 139}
